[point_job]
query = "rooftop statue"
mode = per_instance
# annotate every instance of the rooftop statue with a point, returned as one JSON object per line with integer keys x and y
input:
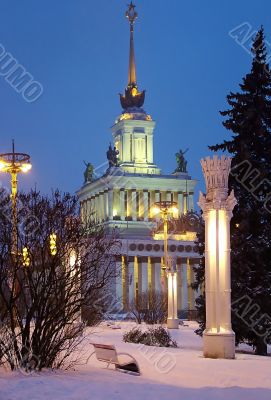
{"x": 181, "y": 161}
{"x": 112, "y": 156}
{"x": 88, "y": 174}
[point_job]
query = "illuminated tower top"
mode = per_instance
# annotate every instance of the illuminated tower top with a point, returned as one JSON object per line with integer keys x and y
{"x": 132, "y": 98}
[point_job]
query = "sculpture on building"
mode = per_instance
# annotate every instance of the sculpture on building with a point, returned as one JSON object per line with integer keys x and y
{"x": 112, "y": 156}
{"x": 88, "y": 174}
{"x": 181, "y": 161}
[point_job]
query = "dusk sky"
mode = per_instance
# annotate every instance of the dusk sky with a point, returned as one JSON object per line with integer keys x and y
{"x": 78, "y": 51}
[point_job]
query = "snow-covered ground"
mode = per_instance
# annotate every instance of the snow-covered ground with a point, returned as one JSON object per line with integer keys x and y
{"x": 166, "y": 374}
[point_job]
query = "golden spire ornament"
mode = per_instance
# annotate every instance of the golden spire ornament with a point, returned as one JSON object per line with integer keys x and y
{"x": 132, "y": 98}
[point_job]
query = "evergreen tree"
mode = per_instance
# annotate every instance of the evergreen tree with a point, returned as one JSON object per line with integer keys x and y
{"x": 249, "y": 120}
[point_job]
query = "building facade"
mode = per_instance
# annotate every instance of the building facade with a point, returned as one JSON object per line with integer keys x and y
{"x": 122, "y": 200}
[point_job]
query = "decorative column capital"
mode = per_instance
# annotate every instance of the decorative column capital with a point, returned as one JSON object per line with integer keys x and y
{"x": 216, "y": 173}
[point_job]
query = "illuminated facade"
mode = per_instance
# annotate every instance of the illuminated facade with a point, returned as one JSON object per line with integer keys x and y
{"x": 122, "y": 199}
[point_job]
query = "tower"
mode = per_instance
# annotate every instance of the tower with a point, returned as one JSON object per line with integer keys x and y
{"x": 133, "y": 129}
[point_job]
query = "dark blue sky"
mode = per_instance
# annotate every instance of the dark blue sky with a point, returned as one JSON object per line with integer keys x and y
{"x": 78, "y": 51}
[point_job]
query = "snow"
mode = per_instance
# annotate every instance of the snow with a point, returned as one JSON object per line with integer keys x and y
{"x": 166, "y": 374}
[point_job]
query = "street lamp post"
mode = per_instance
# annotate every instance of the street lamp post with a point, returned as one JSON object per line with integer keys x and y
{"x": 165, "y": 208}
{"x": 14, "y": 163}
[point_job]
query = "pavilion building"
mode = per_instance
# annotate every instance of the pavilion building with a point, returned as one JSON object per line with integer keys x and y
{"x": 122, "y": 200}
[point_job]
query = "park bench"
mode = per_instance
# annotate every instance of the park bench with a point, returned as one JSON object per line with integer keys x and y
{"x": 108, "y": 354}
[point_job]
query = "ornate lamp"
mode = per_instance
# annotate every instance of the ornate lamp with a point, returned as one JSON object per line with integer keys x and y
{"x": 165, "y": 208}
{"x": 14, "y": 163}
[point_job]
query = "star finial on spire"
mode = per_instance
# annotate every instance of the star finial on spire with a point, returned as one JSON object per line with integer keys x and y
{"x": 131, "y": 14}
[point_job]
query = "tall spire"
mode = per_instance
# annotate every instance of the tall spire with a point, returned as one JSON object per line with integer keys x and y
{"x": 132, "y": 98}
{"x": 131, "y": 14}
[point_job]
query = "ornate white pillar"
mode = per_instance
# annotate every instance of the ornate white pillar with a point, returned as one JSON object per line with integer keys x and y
{"x": 217, "y": 206}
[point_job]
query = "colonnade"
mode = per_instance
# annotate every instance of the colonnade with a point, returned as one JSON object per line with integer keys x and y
{"x": 142, "y": 274}
{"x": 132, "y": 203}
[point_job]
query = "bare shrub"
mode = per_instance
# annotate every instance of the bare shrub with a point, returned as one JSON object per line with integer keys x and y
{"x": 150, "y": 307}
{"x": 44, "y": 289}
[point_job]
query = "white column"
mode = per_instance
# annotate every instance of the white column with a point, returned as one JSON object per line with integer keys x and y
{"x": 131, "y": 281}
{"x": 172, "y": 320}
{"x": 144, "y": 276}
{"x": 88, "y": 211}
{"x": 140, "y": 204}
{"x": 157, "y": 198}
{"x": 146, "y": 204}
{"x": 83, "y": 209}
{"x": 126, "y": 157}
{"x": 133, "y": 200}
{"x": 119, "y": 292}
{"x": 125, "y": 282}
{"x": 217, "y": 206}
{"x": 190, "y": 280}
{"x": 191, "y": 201}
{"x": 105, "y": 204}
{"x": 185, "y": 201}
{"x": 110, "y": 204}
{"x": 168, "y": 196}
{"x": 150, "y": 148}
{"x": 180, "y": 203}
{"x": 101, "y": 206}
{"x": 122, "y": 203}
{"x": 179, "y": 287}
{"x": 138, "y": 276}
{"x": 151, "y": 274}
{"x": 97, "y": 207}
{"x": 157, "y": 269}
{"x": 184, "y": 291}
{"x": 91, "y": 207}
